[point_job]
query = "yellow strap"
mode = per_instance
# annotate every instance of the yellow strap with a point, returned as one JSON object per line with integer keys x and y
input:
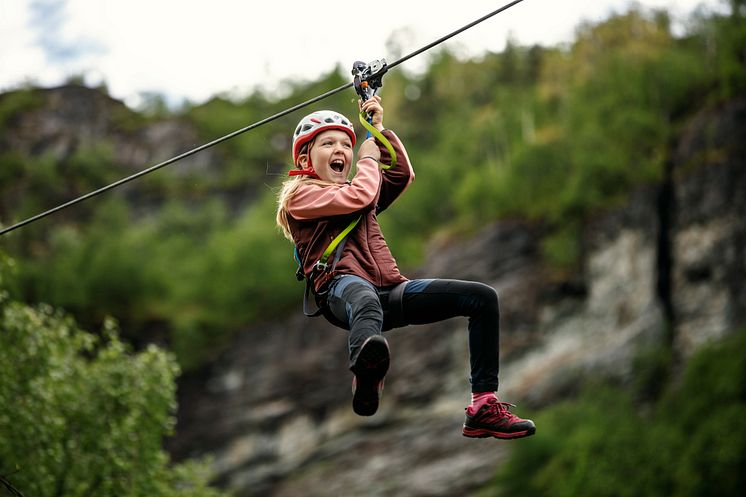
{"x": 386, "y": 143}
{"x": 337, "y": 240}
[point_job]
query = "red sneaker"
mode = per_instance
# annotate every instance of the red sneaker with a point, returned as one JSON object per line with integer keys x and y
{"x": 494, "y": 419}
{"x": 370, "y": 369}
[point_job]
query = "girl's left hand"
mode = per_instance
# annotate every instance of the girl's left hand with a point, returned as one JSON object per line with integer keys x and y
{"x": 374, "y": 109}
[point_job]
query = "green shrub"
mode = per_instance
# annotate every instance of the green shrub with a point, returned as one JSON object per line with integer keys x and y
{"x": 13, "y": 103}
{"x": 692, "y": 442}
{"x": 84, "y": 416}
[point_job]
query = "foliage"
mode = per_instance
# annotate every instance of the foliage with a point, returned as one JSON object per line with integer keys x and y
{"x": 84, "y": 416}
{"x": 20, "y": 101}
{"x": 692, "y": 442}
{"x": 29, "y": 185}
{"x": 248, "y": 277}
{"x": 267, "y": 147}
{"x": 197, "y": 274}
{"x": 725, "y": 39}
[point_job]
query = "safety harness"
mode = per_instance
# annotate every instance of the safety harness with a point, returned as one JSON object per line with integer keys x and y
{"x": 322, "y": 266}
{"x": 367, "y": 81}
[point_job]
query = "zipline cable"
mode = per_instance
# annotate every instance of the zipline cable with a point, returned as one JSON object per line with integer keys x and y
{"x": 173, "y": 159}
{"x": 454, "y": 33}
{"x": 247, "y": 128}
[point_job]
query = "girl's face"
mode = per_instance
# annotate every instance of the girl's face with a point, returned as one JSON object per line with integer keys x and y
{"x": 331, "y": 155}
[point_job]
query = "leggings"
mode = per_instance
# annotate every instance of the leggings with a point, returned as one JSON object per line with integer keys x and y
{"x": 358, "y": 306}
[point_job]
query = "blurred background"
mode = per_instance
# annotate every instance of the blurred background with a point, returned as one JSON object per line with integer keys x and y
{"x": 586, "y": 159}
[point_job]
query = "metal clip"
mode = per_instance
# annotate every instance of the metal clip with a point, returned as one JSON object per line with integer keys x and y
{"x": 368, "y": 78}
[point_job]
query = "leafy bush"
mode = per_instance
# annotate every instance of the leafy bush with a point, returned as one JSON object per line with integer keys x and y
{"x": 690, "y": 443}
{"x": 20, "y": 101}
{"x": 83, "y": 416}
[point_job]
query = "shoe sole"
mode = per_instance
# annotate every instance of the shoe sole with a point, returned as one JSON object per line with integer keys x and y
{"x": 484, "y": 433}
{"x": 370, "y": 368}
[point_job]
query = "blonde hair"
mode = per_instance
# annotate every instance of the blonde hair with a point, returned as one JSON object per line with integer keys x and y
{"x": 288, "y": 189}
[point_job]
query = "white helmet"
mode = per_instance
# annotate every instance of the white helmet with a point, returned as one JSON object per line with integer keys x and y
{"x": 315, "y": 123}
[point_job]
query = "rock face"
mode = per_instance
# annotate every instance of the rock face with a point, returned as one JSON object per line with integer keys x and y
{"x": 61, "y": 122}
{"x": 707, "y": 232}
{"x": 664, "y": 272}
{"x": 66, "y": 118}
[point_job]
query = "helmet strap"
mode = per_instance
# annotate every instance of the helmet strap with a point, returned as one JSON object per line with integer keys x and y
{"x": 304, "y": 172}
{"x": 308, "y": 171}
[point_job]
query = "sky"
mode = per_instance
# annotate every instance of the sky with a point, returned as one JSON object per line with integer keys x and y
{"x": 194, "y": 49}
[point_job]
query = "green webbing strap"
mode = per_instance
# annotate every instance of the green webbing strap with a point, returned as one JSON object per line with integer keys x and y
{"x": 322, "y": 264}
{"x": 386, "y": 143}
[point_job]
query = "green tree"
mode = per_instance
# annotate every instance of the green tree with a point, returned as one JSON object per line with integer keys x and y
{"x": 83, "y": 416}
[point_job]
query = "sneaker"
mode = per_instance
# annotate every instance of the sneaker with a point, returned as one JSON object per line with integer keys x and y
{"x": 494, "y": 419}
{"x": 369, "y": 369}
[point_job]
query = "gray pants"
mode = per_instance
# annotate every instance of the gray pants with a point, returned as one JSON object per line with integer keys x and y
{"x": 365, "y": 310}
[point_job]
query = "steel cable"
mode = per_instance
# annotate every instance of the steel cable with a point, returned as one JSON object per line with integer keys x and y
{"x": 249, "y": 127}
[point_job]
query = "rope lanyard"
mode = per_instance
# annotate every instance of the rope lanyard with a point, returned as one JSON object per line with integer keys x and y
{"x": 249, "y": 127}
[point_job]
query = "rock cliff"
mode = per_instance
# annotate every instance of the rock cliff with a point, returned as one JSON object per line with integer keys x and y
{"x": 58, "y": 124}
{"x": 663, "y": 272}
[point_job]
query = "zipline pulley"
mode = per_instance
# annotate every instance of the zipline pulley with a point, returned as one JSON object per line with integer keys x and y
{"x": 368, "y": 78}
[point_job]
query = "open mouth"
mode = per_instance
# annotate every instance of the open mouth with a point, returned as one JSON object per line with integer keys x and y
{"x": 337, "y": 166}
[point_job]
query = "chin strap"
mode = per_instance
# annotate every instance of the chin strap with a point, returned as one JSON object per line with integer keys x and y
{"x": 304, "y": 172}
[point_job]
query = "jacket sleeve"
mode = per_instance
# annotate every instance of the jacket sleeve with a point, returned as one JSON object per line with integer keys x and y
{"x": 315, "y": 201}
{"x": 395, "y": 179}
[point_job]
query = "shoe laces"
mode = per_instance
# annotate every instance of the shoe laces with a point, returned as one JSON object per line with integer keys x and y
{"x": 497, "y": 409}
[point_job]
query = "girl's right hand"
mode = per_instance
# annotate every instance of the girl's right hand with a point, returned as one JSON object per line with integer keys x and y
{"x": 369, "y": 148}
{"x": 374, "y": 109}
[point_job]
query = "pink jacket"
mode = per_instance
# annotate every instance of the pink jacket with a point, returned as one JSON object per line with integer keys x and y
{"x": 317, "y": 214}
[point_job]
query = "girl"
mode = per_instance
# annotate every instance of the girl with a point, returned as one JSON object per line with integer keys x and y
{"x": 361, "y": 290}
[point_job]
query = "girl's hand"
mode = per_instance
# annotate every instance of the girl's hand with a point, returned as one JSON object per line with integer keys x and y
{"x": 369, "y": 148}
{"x": 374, "y": 109}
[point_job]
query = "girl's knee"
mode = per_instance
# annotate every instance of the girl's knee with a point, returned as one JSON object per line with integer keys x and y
{"x": 370, "y": 303}
{"x": 486, "y": 296}
{"x": 486, "y": 293}
{"x": 363, "y": 302}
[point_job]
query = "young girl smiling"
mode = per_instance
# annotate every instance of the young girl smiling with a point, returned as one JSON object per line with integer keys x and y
{"x": 331, "y": 218}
